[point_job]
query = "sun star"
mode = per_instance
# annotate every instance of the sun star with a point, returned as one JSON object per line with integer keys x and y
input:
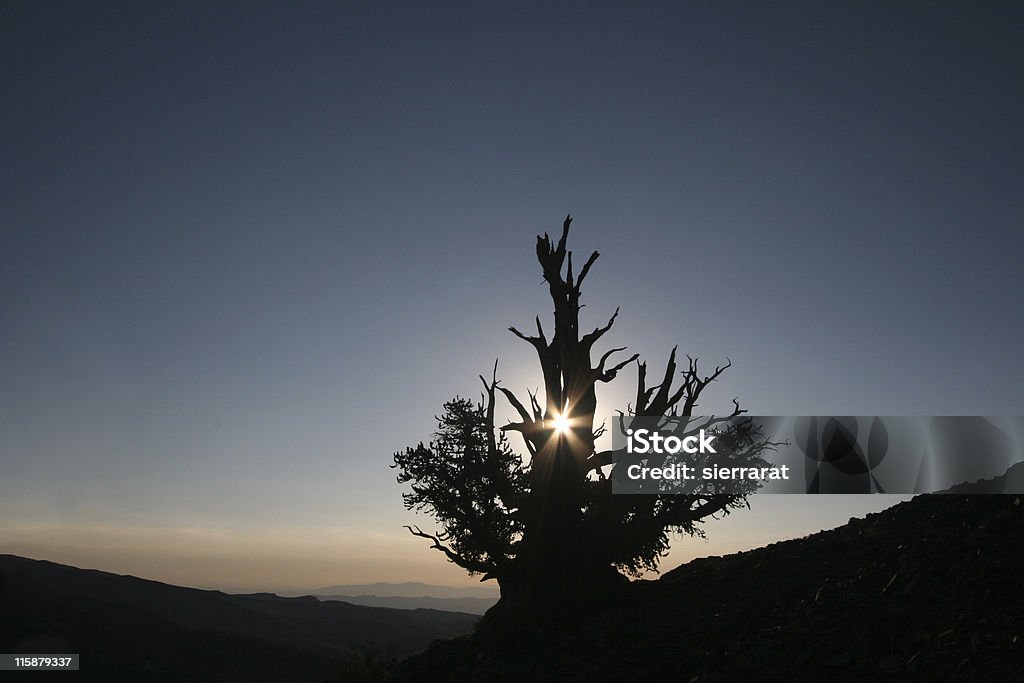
{"x": 561, "y": 424}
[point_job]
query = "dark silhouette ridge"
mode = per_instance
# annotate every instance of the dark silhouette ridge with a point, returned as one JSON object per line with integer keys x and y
{"x": 128, "y": 628}
{"x": 931, "y": 589}
{"x": 1010, "y": 480}
{"x": 465, "y": 605}
{"x": 408, "y": 589}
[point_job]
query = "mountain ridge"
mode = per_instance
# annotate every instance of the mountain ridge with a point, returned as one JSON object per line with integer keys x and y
{"x": 407, "y": 589}
{"x": 128, "y": 628}
{"x": 468, "y": 605}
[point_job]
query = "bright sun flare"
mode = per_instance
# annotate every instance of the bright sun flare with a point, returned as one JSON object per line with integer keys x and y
{"x": 561, "y": 424}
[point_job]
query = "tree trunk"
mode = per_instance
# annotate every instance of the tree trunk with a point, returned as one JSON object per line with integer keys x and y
{"x": 552, "y": 569}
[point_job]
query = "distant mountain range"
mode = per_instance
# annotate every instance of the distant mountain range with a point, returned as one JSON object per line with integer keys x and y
{"x": 470, "y": 605}
{"x": 410, "y": 590}
{"x": 127, "y": 628}
{"x": 411, "y": 595}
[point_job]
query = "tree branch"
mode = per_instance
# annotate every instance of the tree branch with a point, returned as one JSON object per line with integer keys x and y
{"x": 585, "y": 270}
{"x": 588, "y": 340}
{"x": 602, "y": 459}
{"x": 603, "y": 375}
{"x": 699, "y": 384}
{"x": 517, "y": 404}
{"x": 538, "y": 342}
{"x": 467, "y": 564}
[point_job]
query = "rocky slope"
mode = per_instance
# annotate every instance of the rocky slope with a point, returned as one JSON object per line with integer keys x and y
{"x": 929, "y": 589}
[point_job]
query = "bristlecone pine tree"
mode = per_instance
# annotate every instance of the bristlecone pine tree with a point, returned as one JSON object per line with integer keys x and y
{"x": 547, "y": 526}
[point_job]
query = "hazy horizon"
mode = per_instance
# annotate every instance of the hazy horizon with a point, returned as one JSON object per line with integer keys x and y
{"x": 249, "y": 251}
{"x": 211, "y": 566}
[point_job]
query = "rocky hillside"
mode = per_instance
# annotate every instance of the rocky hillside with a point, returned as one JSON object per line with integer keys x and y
{"x": 929, "y": 589}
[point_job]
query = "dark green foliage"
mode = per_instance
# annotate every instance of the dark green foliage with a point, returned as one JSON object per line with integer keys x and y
{"x": 470, "y": 481}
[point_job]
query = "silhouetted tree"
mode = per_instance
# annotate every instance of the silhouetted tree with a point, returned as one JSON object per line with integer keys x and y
{"x": 552, "y": 533}
{"x": 469, "y": 479}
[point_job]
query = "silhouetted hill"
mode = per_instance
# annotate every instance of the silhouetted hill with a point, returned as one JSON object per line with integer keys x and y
{"x": 413, "y": 595}
{"x": 1010, "y": 480}
{"x": 128, "y": 628}
{"x": 931, "y": 589}
{"x": 469, "y": 605}
{"x": 410, "y": 589}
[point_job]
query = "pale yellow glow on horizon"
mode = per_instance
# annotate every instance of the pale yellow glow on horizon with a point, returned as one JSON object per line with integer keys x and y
{"x": 236, "y": 560}
{"x": 291, "y": 559}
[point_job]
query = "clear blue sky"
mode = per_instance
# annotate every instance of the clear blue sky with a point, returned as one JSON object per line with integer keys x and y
{"x": 250, "y": 248}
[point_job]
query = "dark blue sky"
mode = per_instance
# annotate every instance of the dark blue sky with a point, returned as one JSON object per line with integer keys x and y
{"x": 248, "y": 249}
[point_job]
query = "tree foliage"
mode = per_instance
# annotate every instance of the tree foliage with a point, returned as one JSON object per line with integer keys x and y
{"x": 467, "y": 478}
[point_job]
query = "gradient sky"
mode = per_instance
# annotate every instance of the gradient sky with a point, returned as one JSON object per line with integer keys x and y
{"x": 250, "y": 248}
